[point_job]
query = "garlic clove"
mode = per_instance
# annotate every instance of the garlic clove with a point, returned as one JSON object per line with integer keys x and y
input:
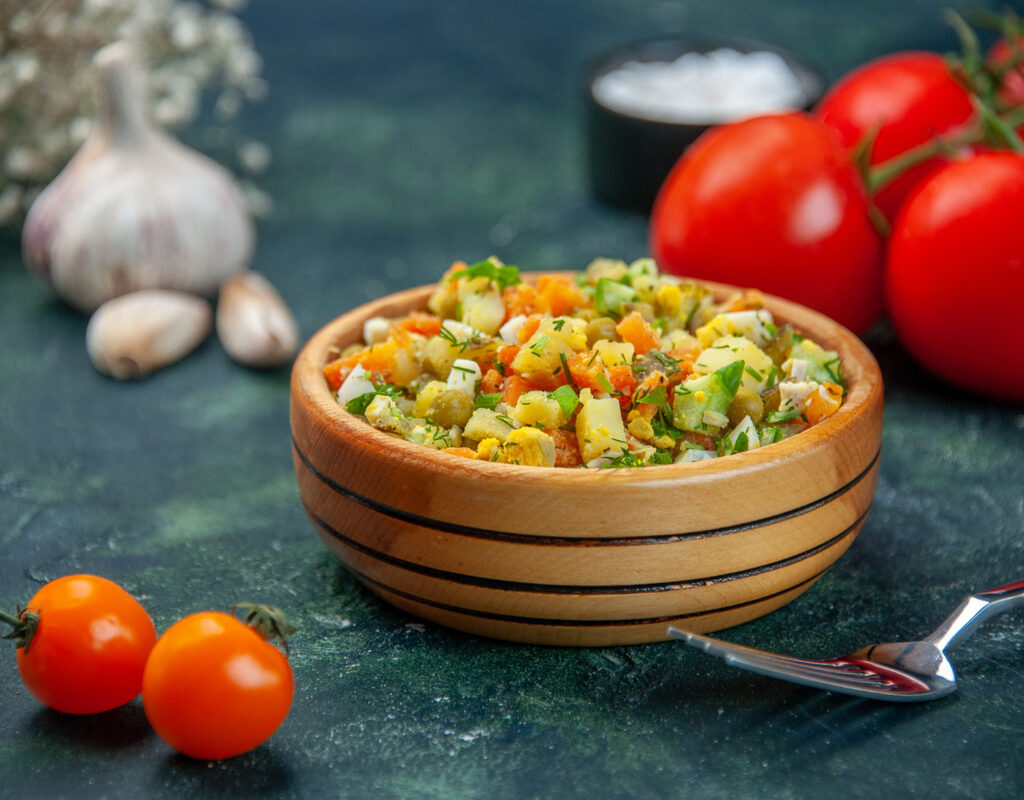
{"x": 135, "y": 209}
{"x": 253, "y": 322}
{"x": 140, "y": 332}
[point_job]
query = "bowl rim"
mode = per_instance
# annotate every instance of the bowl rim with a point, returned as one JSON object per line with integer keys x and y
{"x": 864, "y": 392}
{"x": 810, "y": 75}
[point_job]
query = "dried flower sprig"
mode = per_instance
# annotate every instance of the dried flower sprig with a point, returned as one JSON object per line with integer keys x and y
{"x": 46, "y": 85}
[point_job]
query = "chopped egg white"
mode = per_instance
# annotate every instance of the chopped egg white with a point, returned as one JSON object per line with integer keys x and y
{"x": 509, "y": 332}
{"x": 357, "y": 383}
{"x": 375, "y": 330}
{"x": 464, "y": 376}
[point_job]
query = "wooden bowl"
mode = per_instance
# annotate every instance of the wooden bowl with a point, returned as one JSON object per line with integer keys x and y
{"x": 584, "y": 557}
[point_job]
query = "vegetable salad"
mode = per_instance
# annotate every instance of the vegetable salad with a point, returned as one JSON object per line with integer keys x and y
{"x": 621, "y": 366}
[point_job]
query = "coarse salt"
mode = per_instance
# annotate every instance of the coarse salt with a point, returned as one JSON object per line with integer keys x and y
{"x": 719, "y": 86}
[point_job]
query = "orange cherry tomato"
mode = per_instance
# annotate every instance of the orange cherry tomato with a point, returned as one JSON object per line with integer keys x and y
{"x": 89, "y": 648}
{"x": 214, "y": 688}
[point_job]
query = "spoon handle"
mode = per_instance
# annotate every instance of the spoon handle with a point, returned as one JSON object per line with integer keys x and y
{"x": 974, "y": 610}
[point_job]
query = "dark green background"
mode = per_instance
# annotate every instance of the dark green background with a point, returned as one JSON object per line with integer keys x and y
{"x": 406, "y": 135}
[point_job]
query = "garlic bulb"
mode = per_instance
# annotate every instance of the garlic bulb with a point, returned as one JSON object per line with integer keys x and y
{"x": 139, "y": 332}
{"x": 253, "y": 322}
{"x": 135, "y": 209}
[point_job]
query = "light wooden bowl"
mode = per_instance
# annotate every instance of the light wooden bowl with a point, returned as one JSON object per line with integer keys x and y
{"x": 584, "y": 557}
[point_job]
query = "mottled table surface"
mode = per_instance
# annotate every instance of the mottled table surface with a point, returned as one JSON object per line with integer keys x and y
{"x": 406, "y": 135}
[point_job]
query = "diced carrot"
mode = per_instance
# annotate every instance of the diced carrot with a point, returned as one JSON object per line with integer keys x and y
{"x": 823, "y": 403}
{"x": 464, "y": 452}
{"x": 506, "y": 355}
{"x": 491, "y": 382}
{"x": 699, "y": 439}
{"x": 379, "y": 358}
{"x": 519, "y": 299}
{"x": 336, "y": 372}
{"x": 530, "y": 327}
{"x": 684, "y": 359}
{"x": 567, "y": 448}
{"x": 558, "y": 295}
{"x": 514, "y": 387}
{"x": 633, "y": 328}
{"x": 422, "y": 323}
{"x": 585, "y": 368}
{"x": 622, "y": 378}
{"x": 750, "y": 300}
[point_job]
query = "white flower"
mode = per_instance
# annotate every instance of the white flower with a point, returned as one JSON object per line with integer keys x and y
{"x": 47, "y": 85}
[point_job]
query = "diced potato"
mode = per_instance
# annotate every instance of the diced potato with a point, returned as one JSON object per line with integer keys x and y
{"x": 611, "y": 268}
{"x": 599, "y": 428}
{"x": 727, "y": 349}
{"x": 751, "y": 324}
{"x": 480, "y": 304}
{"x": 450, "y": 408}
{"x": 678, "y": 303}
{"x": 538, "y": 408}
{"x": 541, "y": 353}
{"x": 680, "y": 339}
{"x": 435, "y": 436}
{"x": 612, "y": 353}
{"x": 487, "y": 424}
{"x": 426, "y": 397}
{"x": 456, "y": 340}
{"x": 405, "y": 369}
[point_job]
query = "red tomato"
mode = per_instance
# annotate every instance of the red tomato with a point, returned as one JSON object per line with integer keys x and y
{"x": 214, "y": 688}
{"x": 90, "y": 647}
{"x": 956, "y": 274}
{"x": 774, "y": 203}
{"x": 909, "y": 98}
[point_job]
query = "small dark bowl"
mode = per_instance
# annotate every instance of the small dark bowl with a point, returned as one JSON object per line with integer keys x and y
{"x": 630, "y": 156}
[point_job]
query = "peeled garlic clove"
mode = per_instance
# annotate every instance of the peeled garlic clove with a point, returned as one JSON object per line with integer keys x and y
{"x": 253, "y": 322}
{"x": 140, "y": 332}
{"x": 135, "y": 209}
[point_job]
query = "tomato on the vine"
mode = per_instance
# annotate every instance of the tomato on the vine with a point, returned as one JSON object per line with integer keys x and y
{"x": 1005, "y": 56}
{"x": 215, "y": 688}
{"x": 83, "y": 642}
{"x": 773, "y": 202}
{"x": 906, "y": 99}
{"x": 956, "y": 273}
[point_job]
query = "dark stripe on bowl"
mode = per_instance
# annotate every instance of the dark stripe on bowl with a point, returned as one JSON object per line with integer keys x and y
{"x": 579, "y": 623}
{"x": 566, "y": 589}
{"x": 571, "y": 541}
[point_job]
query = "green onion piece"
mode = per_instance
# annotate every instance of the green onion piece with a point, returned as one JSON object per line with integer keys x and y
{"x": 566, "y": 398}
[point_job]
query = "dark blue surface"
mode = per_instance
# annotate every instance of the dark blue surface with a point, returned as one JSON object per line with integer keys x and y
{"x": 406, "y": 135}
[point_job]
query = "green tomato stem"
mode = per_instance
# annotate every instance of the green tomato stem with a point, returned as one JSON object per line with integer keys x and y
{"x": 23, "y": 624}
{"x": 884, "y": 173}
{"x": 268, "y": 621}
